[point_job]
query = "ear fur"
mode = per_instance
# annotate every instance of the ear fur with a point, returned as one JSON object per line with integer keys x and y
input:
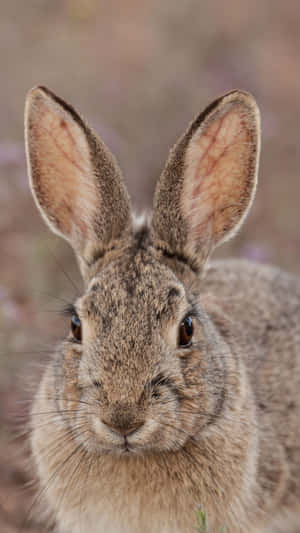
{"x": 75, "y": 180}
{"x": 209, "y": 182}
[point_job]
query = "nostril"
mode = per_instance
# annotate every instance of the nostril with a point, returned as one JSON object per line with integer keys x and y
{"x": 122, "y": 428}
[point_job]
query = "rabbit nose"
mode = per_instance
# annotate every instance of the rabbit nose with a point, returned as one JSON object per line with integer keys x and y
{"x": 123, "y": 426}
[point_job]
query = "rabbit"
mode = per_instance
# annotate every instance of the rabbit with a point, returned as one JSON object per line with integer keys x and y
{"x": 178, "y": 385}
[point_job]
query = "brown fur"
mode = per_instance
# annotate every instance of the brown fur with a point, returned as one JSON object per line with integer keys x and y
{"x": 212, "y": 425}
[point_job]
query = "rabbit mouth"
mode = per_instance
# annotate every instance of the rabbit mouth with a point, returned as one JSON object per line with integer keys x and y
{"x": 136, "y": 445}
{"x": 127, "y": 448}
{"x": 124, "y": 450}
{"x": 152, "y": 435}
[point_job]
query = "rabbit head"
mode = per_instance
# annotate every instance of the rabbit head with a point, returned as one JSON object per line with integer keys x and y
{"x": 142, "y": 370}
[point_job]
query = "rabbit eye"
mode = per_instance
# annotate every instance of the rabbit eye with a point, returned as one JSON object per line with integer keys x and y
{"x": 186, "y": 331}
{"x": 76, "y": 327}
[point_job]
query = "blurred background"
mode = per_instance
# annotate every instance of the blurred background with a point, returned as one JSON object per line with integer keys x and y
{"x": 139, "y": 71}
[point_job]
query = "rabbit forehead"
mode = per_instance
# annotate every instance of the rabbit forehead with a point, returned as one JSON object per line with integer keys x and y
{"x": 130, "y": 302}
{"x": 138, "y": 286}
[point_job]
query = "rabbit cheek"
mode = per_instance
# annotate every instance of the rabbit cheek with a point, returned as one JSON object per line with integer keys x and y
{"x": 166, "y": 419}
{"x": 199, "y": 378}
{"x": 70, "y": 393}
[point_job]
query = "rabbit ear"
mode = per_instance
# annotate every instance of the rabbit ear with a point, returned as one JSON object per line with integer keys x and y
{"x": 208, "y": 184}
{"x": 75, "y": 181}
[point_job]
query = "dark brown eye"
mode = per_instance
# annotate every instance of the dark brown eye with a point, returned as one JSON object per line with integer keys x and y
{"x": 186, "y": 331}
{"x": 76, "y": 327}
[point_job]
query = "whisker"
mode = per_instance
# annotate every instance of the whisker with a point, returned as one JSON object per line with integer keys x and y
{"x": 56, "y": 412}
{"x": 54, "y": 297}
{"x": 67, "y": 276}
{"x": 84, "y": 485}
{"x": 29, "y": 352}
{"x": 63, "y": 398}
{"x": 196, "y": 412}
{"x": 48, "y": 484}
{"x": 46, "y": 423}
{"x": 79, "y": 465}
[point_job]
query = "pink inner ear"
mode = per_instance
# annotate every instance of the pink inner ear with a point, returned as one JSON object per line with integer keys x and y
{"x": 217, "y": 176}
{"x": 61, "y": 169}
{"x": 74, "y": 156}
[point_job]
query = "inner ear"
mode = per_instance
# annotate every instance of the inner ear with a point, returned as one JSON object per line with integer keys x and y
{"x": 219, "y": 182}
{"x": 60, "y": 164}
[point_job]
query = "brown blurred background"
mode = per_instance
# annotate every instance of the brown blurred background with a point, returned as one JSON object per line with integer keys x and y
{"x": 139, "y": 71}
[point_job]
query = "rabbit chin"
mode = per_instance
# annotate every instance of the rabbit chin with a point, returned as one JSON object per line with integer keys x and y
{"x": 151, "y": 438}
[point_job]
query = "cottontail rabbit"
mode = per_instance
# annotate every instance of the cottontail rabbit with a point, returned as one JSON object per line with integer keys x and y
{"x": 179, "y": 383}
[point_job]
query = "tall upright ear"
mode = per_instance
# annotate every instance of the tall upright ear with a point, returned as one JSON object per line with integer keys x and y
{"x": 209, "y": 182}
{"x": 75, "y": 180}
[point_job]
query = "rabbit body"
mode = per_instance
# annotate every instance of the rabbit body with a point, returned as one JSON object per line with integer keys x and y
{"x": 244, "y": 468}
{"x": 178, "y": 387}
